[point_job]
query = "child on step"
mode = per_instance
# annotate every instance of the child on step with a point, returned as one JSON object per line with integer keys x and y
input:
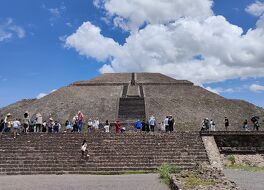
{"x": 84, "y": 149}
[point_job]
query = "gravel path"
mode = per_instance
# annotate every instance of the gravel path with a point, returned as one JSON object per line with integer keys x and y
{"x": 82, "y": 182}
{"x": 246, "y": 180}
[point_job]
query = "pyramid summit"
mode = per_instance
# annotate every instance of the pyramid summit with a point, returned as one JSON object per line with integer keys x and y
{"x": 131, "y": 96}
{"x": 125, "y": 78}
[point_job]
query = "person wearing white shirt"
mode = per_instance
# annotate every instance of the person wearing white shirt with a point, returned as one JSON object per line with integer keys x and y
{"x": 90, "y": 126}
{"x": 96, "y": 124}
{"x": 166, "y": 123}
{"x": 16, "y": 126}
{"x": 107, "y": 127}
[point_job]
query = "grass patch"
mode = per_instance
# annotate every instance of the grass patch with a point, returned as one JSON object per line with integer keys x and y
{"x": 165, "y": 170}
{"x": 246, "y": 168}
{"x": 232, "y": 159}
{"x": 193, "y": 181}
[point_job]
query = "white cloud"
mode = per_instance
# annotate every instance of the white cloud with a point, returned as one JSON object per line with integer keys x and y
{"x": 41, "y": 95}
{"x": 214, "y": 90}
{"x": 256, "y": 88}
{"x": 171, "y": 41}
{"x": 256, "y": 9}
{"x": 88, "y": 41}
{"x": 55, "y": 13}
{"x": 8, "y": 29}
{"x": 220, "y": 90}
{"x": 131, "y": 14}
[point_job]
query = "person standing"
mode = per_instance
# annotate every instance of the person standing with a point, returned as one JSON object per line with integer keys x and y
{"x": 152, "y": 123}
{"x": 26, "y": 122}
{"x": 50, "y": 125}
{"x": 138, "y": 125}
{"x": 162, "y": 127}
{"x": 56, "y": 127}
{"x": 80, "y": 121}
{"x": 256, "y": 125}
{"x": 166, "y": 123}
{"x": 226, "y": 123}
{"x": 16, "y": 125}
{"x": 39, "y": 122}
{"x": 245, "y": 125}
{"x": 90, "y": 126}
{"x": 203, "y": 125}
{"x": 75, "y": 123}
{"x": 2, "y": 125}
{"x": 107, "y": 126}
{"x": 44, "y": 127}
{"x": 7, "y": 123}
{"x": 117, "y": 127}
{"x": 171, "y": 123}
{"x": 143, "y": 125}
{"x": 212, "y": 125}
{"x": 96, "y": 124}
{"x": 207, "y": 124}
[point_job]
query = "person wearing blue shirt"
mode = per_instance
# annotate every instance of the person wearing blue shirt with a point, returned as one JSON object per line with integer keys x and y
{"x": 138, "y": 124}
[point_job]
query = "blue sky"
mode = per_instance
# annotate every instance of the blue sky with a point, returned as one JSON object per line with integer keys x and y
{"x": 34, "y": 59}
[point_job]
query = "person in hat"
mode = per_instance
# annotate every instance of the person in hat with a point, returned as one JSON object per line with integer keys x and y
{"x": 50, "y": 125}
{"x": 7, "y": 123}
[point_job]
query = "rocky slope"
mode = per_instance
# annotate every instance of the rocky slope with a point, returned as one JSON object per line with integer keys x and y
{"x": 163, "y": 96}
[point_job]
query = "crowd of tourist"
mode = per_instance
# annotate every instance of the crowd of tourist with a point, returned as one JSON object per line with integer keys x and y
{"x": 209, "y": 125}
{"x": 37, "y": 124}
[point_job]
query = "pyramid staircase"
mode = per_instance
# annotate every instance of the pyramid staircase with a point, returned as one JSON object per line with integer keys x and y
{"x": 109, "y": 153}
{"x": 132, "y": 103}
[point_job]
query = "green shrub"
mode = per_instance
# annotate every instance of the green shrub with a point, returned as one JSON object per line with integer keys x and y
{"x": 232, "y": 159}
{"x": 165, "y": 170}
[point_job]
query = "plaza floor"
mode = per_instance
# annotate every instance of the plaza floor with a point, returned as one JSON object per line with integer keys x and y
{"x": 82, "y": 182}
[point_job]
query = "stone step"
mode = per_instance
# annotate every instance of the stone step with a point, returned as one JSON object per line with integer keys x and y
{"x": 105, "y": 159}
{"x": 135, "y": 151}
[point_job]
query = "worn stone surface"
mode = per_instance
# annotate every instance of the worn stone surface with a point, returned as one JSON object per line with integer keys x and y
{"x": 82, "y": 182}
{"x": 204, "y": 173}
{"x": 238, "y": 142}
{"x": 37, "y": 153}
{"x": 256, "y": 160}
{"x": 212, "y": 152}
{"x": 163, "y": 95}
